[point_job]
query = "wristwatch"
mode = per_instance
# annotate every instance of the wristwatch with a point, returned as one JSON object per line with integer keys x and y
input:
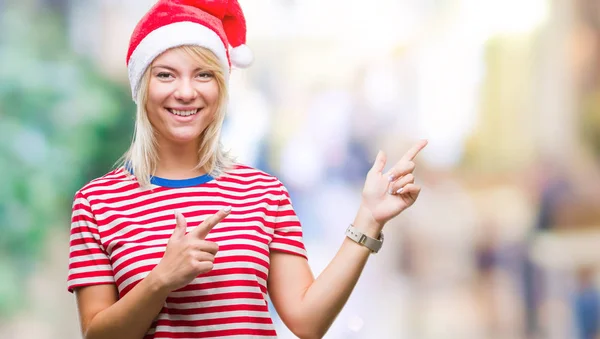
{"x": 374, "y": 245}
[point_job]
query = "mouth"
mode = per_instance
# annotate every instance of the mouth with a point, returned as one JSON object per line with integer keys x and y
{"x": 184, "y": 113}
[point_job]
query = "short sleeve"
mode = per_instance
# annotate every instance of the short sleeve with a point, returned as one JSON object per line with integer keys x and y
{"x": 88, "y": 262}
{"x": 288, "y": 230}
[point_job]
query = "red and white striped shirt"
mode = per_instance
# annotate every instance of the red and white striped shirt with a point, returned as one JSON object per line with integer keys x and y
{"x": 119, "y": 233}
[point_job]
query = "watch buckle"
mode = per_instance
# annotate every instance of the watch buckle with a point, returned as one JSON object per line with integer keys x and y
{"x": 362, "y": 240}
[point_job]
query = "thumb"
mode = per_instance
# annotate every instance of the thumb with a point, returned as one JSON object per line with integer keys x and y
{"x": 180, "y": 225}
{"x": 379, "y": 163}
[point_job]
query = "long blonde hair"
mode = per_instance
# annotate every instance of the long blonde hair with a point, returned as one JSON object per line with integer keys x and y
{"x": 141, "y": 159}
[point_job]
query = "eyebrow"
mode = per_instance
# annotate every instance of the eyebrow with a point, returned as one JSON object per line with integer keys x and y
{"x": 173, "y": 69}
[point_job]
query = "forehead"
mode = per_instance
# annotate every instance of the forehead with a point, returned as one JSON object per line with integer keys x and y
{"x": 178, "y": 59}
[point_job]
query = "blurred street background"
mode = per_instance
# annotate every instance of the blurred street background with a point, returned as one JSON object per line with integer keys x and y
{"x": 504, "y": 241}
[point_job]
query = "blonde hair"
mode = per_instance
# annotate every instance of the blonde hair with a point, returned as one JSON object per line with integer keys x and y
{"x": 142, "y": 158}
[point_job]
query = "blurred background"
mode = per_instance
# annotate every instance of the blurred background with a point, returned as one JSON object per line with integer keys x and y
{"x": 504, "y": 240}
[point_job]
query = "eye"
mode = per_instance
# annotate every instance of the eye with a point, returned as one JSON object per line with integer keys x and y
{"x": 205, "y": 75}
{"x": 164, "y": 75}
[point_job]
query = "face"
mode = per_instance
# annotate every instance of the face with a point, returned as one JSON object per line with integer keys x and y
{"x": 182, "y": 97}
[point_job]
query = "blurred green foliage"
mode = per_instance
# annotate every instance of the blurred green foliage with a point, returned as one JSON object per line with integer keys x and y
{"x": 61, "y": 124}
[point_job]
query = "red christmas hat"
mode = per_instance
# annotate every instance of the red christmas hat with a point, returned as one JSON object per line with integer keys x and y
{"x": 213, "y": 24}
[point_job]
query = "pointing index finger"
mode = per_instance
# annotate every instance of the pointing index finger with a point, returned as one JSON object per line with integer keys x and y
{"x": 207, "y": 225}
{"x": 413, "y": 151}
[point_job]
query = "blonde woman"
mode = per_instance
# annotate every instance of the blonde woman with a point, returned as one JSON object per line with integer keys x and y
{"x": 181, "y": 241}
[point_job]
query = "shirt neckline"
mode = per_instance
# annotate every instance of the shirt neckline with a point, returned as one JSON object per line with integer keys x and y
{"x": 181, "y": 183}
{"x": 175, "y": 183}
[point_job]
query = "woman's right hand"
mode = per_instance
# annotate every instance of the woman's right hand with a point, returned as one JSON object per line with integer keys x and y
{"x": 188, "y": 255}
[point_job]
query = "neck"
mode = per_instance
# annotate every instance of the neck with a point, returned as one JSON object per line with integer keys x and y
{"x": 178, "y": 161}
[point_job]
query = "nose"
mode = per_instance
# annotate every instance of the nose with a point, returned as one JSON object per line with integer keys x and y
{"x": 185, "y": 91}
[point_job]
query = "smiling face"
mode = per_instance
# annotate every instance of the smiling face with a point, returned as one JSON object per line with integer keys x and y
{"x": 182, "y": 98}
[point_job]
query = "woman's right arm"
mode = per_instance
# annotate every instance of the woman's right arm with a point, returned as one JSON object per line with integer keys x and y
{"x": 103, "y": 315}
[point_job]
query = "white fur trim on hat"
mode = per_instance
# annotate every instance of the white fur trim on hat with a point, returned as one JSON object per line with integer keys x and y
{"x": 169, "y": 36}
{"x": 241, "y": 56}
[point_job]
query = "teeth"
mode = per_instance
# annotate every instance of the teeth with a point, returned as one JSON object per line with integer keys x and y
{"x": 184, "y": 113}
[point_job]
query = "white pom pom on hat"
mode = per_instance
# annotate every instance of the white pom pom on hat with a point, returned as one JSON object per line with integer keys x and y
{"x": 241, "y": 56}
{"x": 218, "y": 25}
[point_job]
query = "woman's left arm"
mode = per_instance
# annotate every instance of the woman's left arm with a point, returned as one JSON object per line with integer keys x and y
{"x": 308, "y": 306}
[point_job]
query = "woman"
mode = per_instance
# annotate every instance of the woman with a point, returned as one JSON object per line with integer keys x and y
{"x": 182, "y": 242}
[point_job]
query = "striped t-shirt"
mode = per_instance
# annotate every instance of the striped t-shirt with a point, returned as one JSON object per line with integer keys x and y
{"x": 119, "y": 233}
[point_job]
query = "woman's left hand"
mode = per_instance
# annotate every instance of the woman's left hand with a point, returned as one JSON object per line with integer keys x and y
{"x": 385, "y": 195}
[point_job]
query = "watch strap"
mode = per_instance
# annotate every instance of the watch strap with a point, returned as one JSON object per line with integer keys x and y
{"x": 374, "y": 245}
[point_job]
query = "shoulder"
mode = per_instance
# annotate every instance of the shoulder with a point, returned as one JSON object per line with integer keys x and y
{"x": 109, "y": 182}
{"x": 248, "y": 173}
{"x": 244, "y": 174}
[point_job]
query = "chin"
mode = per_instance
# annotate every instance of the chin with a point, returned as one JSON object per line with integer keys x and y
{"x": 184, "y": 139}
